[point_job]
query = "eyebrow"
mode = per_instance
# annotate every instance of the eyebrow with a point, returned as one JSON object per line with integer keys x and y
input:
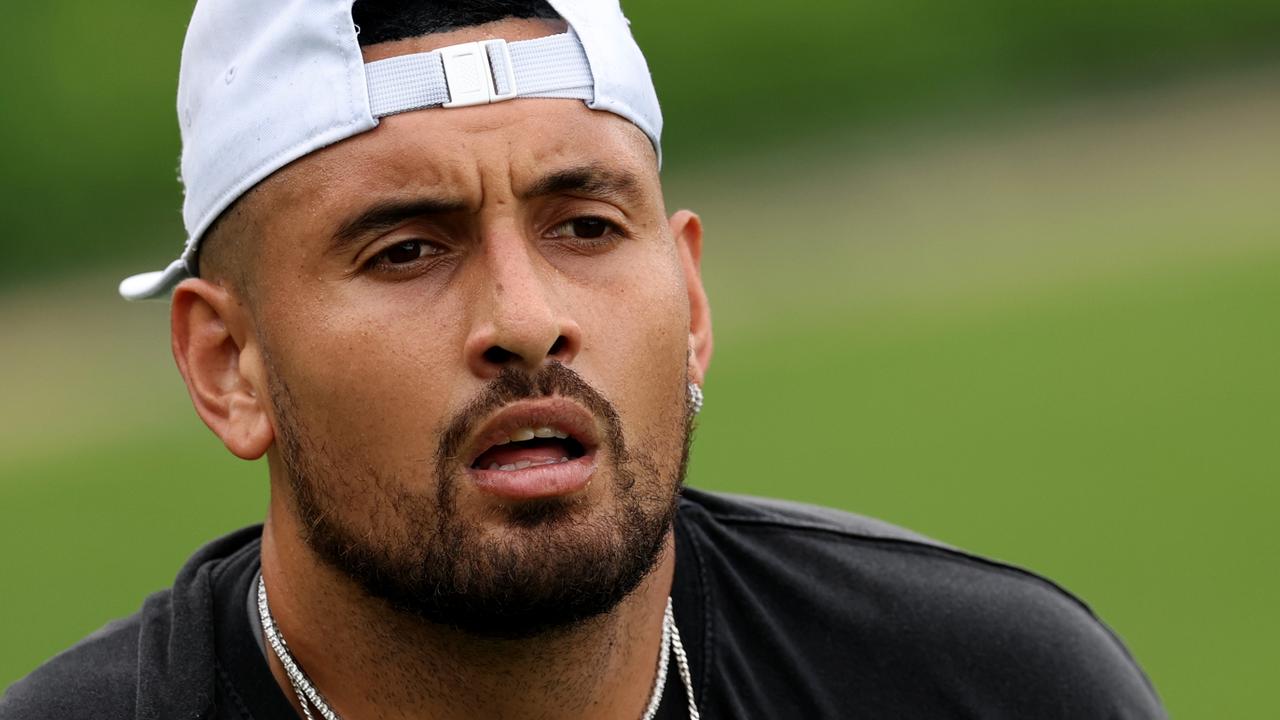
{"x": 386, "y": 215}
{"x": 590, "y": 180}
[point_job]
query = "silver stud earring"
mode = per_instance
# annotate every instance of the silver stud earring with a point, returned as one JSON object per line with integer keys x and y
{"x": 695, "y": 398}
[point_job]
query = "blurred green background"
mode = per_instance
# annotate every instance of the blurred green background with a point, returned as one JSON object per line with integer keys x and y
{"x": 1007, "y": 273}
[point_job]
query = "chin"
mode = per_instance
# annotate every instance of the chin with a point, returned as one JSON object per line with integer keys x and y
{"x": 511, "y": 551}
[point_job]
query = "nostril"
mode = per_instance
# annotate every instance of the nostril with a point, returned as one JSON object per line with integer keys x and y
{"x": 498, "y": 355}
{"x": 558, "y": 346}
{"x": 501, "y": 356}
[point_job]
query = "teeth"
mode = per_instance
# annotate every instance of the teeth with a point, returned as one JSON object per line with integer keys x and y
{"x": 522, "y": 464}
{"x": 529, "y": 433}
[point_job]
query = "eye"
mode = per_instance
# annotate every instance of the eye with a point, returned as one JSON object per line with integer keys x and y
{"x": 587, "y": 230}
{"x": 402, "y": 256}
{"x": 402, "y": 252}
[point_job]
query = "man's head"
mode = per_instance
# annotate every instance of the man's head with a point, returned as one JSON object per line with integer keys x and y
{"x": 390, "y": 317}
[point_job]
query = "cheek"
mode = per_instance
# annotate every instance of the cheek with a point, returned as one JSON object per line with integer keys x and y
{"x": 640, "y": 351}
{"x": 372, "y": 386}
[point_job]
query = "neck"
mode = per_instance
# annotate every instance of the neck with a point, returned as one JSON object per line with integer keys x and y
{"x": 370, "y": 661}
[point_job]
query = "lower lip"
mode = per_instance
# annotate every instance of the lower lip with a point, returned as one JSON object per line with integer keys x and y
{"x": 541, "y": 481}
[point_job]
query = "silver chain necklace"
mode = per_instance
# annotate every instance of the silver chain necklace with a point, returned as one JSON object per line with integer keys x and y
{"x": 309, "y": 696}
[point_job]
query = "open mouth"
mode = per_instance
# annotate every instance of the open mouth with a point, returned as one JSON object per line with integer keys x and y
{"x": 526, "y": 447}
{"x": 535, "y": 449}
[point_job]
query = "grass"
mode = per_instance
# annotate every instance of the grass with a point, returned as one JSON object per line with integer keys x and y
{"x": 1050, "y": 339}
{"x": 1122, "y": 444}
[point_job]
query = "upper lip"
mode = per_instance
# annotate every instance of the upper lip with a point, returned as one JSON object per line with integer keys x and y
{"x": 555, "y": 412}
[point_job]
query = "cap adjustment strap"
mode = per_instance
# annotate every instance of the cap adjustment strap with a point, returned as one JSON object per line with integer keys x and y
{"x": 479, "y": 73}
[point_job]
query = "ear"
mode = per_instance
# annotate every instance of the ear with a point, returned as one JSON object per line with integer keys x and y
{"x": 686, "y": 228}
{"x": 217, "y": 354}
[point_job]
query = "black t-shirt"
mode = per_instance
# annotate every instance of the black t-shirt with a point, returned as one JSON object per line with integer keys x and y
{"x": 786, "y": 611}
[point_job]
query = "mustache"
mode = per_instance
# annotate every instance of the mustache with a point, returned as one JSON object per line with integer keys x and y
{"x": 511, "y": 385}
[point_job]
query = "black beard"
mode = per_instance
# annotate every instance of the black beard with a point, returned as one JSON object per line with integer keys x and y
{"x": 557, "y": 564}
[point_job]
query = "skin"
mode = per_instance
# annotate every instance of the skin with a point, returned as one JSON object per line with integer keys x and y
{"x": 378, "y": 355}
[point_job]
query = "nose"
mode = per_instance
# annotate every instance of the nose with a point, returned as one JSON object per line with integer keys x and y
{"x": 520, "y": 319}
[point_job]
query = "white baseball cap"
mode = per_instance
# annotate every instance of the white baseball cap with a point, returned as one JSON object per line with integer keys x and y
{"x": 265, "y": 82}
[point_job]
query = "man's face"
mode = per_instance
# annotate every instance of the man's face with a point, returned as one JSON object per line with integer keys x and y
{"x": 430, "y": 290}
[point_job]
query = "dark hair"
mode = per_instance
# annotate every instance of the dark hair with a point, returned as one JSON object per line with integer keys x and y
{"x": 387, "y": 20}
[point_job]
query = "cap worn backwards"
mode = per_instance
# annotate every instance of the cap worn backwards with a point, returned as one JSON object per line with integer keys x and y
{"x": 248, "y": 102}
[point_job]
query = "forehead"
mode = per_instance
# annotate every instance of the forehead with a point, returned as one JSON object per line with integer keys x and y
{"x": 467, "y": 147}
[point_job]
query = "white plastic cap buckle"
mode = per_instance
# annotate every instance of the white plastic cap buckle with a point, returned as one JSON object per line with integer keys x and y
{"x": 469, "y": 75}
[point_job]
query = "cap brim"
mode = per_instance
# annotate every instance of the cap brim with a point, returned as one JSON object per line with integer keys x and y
{"x": 154, "y": 285}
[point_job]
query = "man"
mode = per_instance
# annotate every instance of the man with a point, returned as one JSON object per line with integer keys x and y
{"x": 430, "y": 276}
